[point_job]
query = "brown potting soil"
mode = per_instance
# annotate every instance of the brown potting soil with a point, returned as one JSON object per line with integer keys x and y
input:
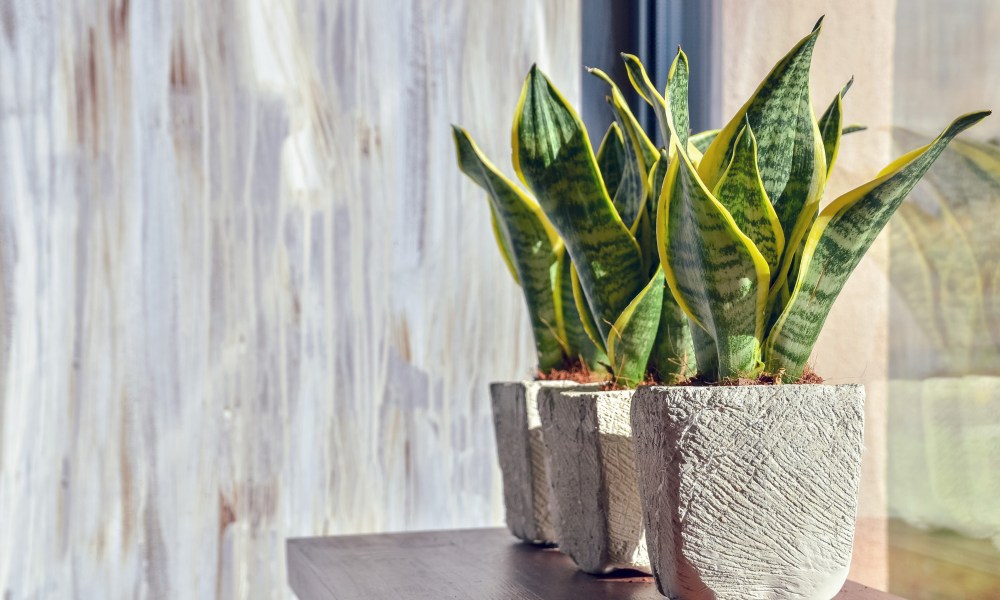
{"x": 808, "y": 377}
{"x": 576, "y": 370}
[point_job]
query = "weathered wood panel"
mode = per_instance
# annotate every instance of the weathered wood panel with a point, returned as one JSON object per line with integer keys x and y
{"x": 245, "y": 293}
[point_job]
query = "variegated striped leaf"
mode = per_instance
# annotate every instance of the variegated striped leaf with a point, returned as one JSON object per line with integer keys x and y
{"x": 673, "y": 357}
{"x": 789, "y": 145}
{"x": 701, "y": 141}
{"x": 715, "y": 272}
{"x": 631, "y": 340}
{"x": 553, "y": 156}
{"x": 632, "y": 191}
{"x": 527, "y": 239}
{"x": 582, "y": 309}
{"x": 677, "y": 100}
{"x": 831, "y": 127}
{"x": 640, "y": 81}
{"x": 501, "y": 240}
{"x": 625, "y": 117}
{"x": 578, "y": 342}
{"x": 671, "y": 110}
{"x": 644, "y": 230}
{"x": 705, "y": 352}
{"x": 742, "y": 193}
{"x": 837, "y": 241}
{"x": 611, "y": 158}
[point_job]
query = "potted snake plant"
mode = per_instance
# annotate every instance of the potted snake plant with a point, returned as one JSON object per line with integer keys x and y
{"x": 603, "y": 206}
{"x": 750, "y": 491}
{"x": 537, "y": 260}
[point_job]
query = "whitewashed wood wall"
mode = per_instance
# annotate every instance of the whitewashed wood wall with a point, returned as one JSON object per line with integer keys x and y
{"x": 245, "y": 293}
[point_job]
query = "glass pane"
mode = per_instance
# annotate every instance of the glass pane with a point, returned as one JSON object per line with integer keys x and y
{"x": 944, "y": 416}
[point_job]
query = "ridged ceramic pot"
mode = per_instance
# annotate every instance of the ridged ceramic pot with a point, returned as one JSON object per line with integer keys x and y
{"x": 530, "y": 513}
{"x": 589, "y": 443}
{"x": 749, "y": 492}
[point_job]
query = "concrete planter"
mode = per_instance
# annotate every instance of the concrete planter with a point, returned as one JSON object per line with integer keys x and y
{"x": 592, "y": 458}
{"x": 749, "y": 492}
{"x": 527, "y": 500}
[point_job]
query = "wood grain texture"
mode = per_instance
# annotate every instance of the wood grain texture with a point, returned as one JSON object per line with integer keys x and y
{"x": 485, "y": 564}
{"x": 749, "y": 493}
{"x": 592, "y": 459}
{"x": 246, "y": 294}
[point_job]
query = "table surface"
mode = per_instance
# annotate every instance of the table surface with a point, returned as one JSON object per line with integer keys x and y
{"x": 480, "y": 564}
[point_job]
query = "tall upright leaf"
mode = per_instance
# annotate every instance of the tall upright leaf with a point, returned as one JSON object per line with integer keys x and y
{"x": 789, "y": 145}
{"x": 673, "y": 356}
{"x": 553, "y": 156}
{"x": 671, "y": 109}
{"x": 631, "y": 340}
{"x": 715, "y": 272}
{"x": 528, "y": 240}
{"x": 625, "y": 117}
{"x": 579, "y": 344}
{"x": 837, "y": 241}
{"x": 632, "y": 191}
{"x": 611, "y": 158}
{"x": 677, "y": 99}
{"x": 831, "y": 127}
{"x": 742, "y": 193}
{"x": 701, "y": 141}
{"x": 583, "y": 309}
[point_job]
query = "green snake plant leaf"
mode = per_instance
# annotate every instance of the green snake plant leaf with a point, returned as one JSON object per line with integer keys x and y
{"x": 671, "y": 111}
{"x": 640, "y": 81}
{"x": 673, "y": 356}
{"x": 705, "y": 352}
{"x": 553, "y": 156}
{"x": 677, "y": 99}
{"x": 644, "y": 229}
{"x": 701, "y": 141}
{"x": 716, "y": 274}
{"x": 625, "y": 117}
{"x": 853, "y": 129}
{"x": 742, "y": 193}
{"x": 789, "y": 145}
{"x": 634, "y": 332}
{"x": 578, "y": 342}
{"x": 611, "y": 158}
{"x": 582, "y": 309}
{"x": 837, "y": 241}
{"x": 503, "y": 244}
{"x": 831, "y": 127}
{"x": 632, "y": 192}
{"x": 527, "y": 239}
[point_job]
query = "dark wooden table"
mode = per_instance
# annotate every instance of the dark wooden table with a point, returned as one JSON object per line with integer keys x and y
{"x": 478, "y": 564}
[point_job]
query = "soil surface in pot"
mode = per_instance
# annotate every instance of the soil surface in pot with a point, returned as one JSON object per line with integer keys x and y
{"x": 577, "y": 371}
{"x": 808, "y": 376}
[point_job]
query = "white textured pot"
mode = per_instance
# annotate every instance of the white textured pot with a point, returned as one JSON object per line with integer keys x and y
{"x": 527, "y": 500}
{"x": 592, "y": 458}
{"x": 749, "y": 492}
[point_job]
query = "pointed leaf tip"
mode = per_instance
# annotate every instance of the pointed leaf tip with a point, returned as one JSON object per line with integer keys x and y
{"x": 819, "y": 23}
{"x": 847, "y": 86}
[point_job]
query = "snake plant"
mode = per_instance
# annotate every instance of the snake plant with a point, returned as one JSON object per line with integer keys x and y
{"x": 727, "y": 220}
{"x": 536, "y": 258}
{"x": 748, "y": 255}
{"x": 603, "y": 207}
